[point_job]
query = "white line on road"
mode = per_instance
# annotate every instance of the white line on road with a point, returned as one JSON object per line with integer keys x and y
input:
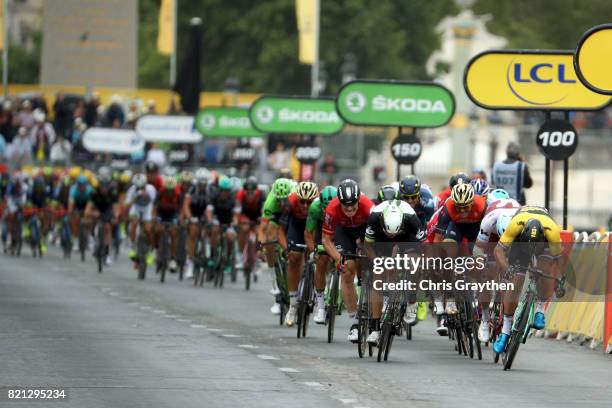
{"x": 170, "y": 316}
{"x": 248, "y": 346}
{"x": 291, "y": 370}
{"x": 114, "y": 293}
{"x": 231, "y": 335}
{"x": 347, "y": 400}
{"x": 215, "y": 330}
{"x": 266, "y": 357}
{"x": 313, "y": 384}
{"x": 159, "y": 311}
{"x": 183, "y": 320}
{"x": 198, "y": 326}
{"x": 145, "y": 308}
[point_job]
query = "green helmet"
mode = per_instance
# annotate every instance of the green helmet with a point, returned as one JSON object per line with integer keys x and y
{"x": 327, "y": 194}
{"x": 225, "y": 184}
{"x": 282, "y": 187}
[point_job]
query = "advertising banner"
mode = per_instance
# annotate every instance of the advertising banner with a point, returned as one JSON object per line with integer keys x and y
{"x": 169, "y": 129}
{"x": 225, "y": 122}
{"x": 593, "y": 59}
{"x": 108, "y": 140}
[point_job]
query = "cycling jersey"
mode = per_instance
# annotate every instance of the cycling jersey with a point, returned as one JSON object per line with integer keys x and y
{"x": 334, "y": 216}
{"x": 15, "y": 196}
{"x": 426, "y": 207}
{"x": 410, "y": 230}
{"x": 250, "y": 206}
{"x": 488, "y": 226}
{"x": 168, "y": 201}
{"x": 441, "y": 197}
{"x": 552, "y": 232}
{"x": 104, "y": 202}
{"x": 198, "y": 200}
{"x": 39, "y": 195}
{"x": 223, "y": 207}
{"x": 157, "y": 182}
{"x": 272, "y": 209}
{"x": 62, "y": 194}
{"x": 80, "y": 198}
{"x": 141, "y": 198}
{"x": 314, "y": 221}
{"x": 461, "y": 228}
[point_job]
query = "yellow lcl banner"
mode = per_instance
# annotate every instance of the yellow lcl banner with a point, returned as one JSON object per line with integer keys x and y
{"x": 593, "y": 59}
{"x": 1, "y": 24}
{"x": 165, "y": 35}
{"x": 308, "y": 27}
{"x": 526, "y": 79}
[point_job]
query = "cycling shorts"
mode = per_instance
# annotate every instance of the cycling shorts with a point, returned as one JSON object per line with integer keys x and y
{"x": 295, "y": 233}
{"x": 345, "y": 238}
{"x": 226, "y": 227}
{"x": 145, "y": 211}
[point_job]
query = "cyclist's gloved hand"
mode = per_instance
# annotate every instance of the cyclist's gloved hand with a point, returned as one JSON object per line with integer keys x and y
{"x": 512, "y": 270}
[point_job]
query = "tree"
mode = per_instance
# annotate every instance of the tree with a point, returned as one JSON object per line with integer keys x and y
{"x": 542, "y": 23}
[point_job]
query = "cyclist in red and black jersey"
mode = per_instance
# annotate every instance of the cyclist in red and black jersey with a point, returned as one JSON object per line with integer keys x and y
{"x": 344, "y": 224}
{"x": 153, "y": 176}
{"x": 291, "y": 237}
{"x": 249, "y": 204}
{"x": 445, "y": 194}
{"x": 167, "y": 209}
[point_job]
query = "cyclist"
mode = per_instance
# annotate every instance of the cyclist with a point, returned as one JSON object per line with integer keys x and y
{"x": 343, "y": 227}
{"x": 80, "y": 193}
{"x": 167, "y": 210}
{"x": 39, "y": 197}
{"x": 312, "y": 236}
{"x": 268, "y": 228}
{"x": 194, "y": 209}
{"x": 390, "y": 222}
{"x": 101, "y": 205}
{"x": 249, "y": 203}
{"x": 221, "y": 215}
{"x": 445, "y": 194}
{"x": 418, "y": 196}
{"x": 139, "y": 201}
{"x": 291, "y": 235}
{"x": 530, "y": 232}
{"x": 386, "y": 192}
{"x": 16, "y": 196}
{"x": 153, "y": 176}
{"x": 496, "y": 218}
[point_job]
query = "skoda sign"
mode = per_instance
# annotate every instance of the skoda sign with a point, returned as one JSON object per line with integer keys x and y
{"x": 282, "y": 114}
{"x": 525, "y": 79}
{"x": 395, "y": 103}
{"x": 225, "y": 122}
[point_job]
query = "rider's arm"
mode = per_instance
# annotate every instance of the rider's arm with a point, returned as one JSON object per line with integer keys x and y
{"x": 330, "y": 248}
{"x": 209, "y": 214}
{"x": 187, "y": 207}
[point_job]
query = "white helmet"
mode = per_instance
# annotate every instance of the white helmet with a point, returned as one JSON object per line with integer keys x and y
{"x": 202, "y": 175}
{"x": 392, "y": 218}
{"x": 139, "y": 180}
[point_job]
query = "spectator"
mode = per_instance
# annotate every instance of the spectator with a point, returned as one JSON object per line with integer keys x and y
{"x": 2, "y": 147}
{"x": 478, "y": 173}
{"x": 329, "y": 168}
{"x": 42, "y": 136}
{"x": 151, "y": 107}
{"x": 60, "y": 151}
{"x": 20, "y": 150}
{"x": 77, "y": 130}
{"x": 114, "y": 114}
{"x": 91, "y": 110}
{"x": 79, "y": 152}
{"x": 173, "y": 108}
{"x": 63, "y": 114}
{"x": 39, "y": 102}
{"x": 157, "y": 155}
{"x": 8, "y": 121}
{"x": 79, "y": 110}
{"x": 130, "y": 120}
{"x": 279, "y": 159}
{"x": 25, "y": 117}
{"x": 512, "y": 174}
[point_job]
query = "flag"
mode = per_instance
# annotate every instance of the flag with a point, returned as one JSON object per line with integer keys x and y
{"x": 188, "y": 83}
{"x": 1, "y": 24}
{"x": 308, "y": 29}
{"x": 166, "y": 30}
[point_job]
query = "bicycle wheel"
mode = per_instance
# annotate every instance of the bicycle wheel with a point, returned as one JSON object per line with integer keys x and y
{"x": 475, "y": 327}
{"x": 363, "y": 324}
{"x": 332, "y": 308}
{"x": 384, "y": 340}
{"x": 82, "y": 241}
{"x": 100, "y": 247}
{"x": 301, "y": 317}
{"x": 516, "y": 337}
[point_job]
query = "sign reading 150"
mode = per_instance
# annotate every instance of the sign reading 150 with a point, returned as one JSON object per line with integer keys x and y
{"x": 557, "y": 138}
{"x": 406, "y": 149}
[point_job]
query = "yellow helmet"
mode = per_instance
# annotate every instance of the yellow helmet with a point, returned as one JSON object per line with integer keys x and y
{"x": 74, "y": 172}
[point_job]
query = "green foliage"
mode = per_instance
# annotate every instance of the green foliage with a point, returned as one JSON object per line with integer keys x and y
{"x": 257, "y": 41}
{"x": 544, "y": 24}
{"x": 24, "y": 66}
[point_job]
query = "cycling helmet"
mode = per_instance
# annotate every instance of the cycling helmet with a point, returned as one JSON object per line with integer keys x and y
{"x": 65, "y": 181}
{"x": 104, "y": 178}
{"x": 281, "y": 188}
{"x": 250, "y": 184}
{"x": 458, "y": 178}
{"x": 392, "y": 218}
{"x": 151, "y": 167}
{"x": 105, "y": 173}
{"x": 169, "y": 182}
{"x": 307, "y": 190}
{"x": 125, "y": 176}
{"x": 533, "y": 231}
{"x": 348, "y": 192}
{"x": 462, "y": 194}
{"x": 502, "y": 223}
{"x": 170, "y": 171}
{"x": 186, "y": 177}
{"x": 47, "y": 171}
{"x": 497, "y": 194}
{"x": 285, "y": 173}
{"x": 74, "y": 172}
{"x": 327, "y": 194}
{"x": 225, "y": 184}
{"x": 386, "y": 193}
{"x": 410, "y": 186}
{"x": 202, "y": 175}
{"x": 81, "y": 180}
{"x": 140, "y": 180}
{"x": 481, "y": 187}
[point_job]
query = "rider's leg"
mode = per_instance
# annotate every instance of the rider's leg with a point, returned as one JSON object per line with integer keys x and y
{"x": 244, "y": 229}
{"x": 295, "y": 264}
{"x": 349, "y": 295}
{"x": 192, "y": 236}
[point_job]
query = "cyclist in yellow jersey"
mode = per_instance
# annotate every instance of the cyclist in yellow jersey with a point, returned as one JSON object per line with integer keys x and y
{"x": 531, "y": 231}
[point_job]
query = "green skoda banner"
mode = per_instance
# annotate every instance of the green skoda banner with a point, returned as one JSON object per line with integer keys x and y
{"x": 225, "y": 122}
{"x": 395, "y": 103}
{"x": 298, "y": 115}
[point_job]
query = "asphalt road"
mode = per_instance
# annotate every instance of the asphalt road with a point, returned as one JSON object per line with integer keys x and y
{"x": 110, "y": 340}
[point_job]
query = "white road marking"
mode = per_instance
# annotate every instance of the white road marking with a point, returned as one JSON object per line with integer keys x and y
{"x": 313, "y": 384}
{"x": 198, "y": 326}
{"x": 145, "y": 308}
{"x": 170, "y": 316}
{"x": 248, "y": 346}
{"x": 231, "y": 335}
{"x": 347, "y": 400}
{"x": 114, "y": 293}
{"x": 266, "y": 357}
{"x": 159, "y": 311}
{"x": 183, "y": 320}
{"x": 215, "y": 330}
{"x": 291, "y": 370}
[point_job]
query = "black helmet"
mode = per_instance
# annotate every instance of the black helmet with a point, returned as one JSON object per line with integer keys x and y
{"x": 458, "y": 178}
{"x": 250, "y": 184}
{"x": 533, "y": 231}
{"x": 410, "y": 186}
{"x": 151, "y": 167}
{"x": 387, "y": 193}
{"x": 348, "y": 192}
